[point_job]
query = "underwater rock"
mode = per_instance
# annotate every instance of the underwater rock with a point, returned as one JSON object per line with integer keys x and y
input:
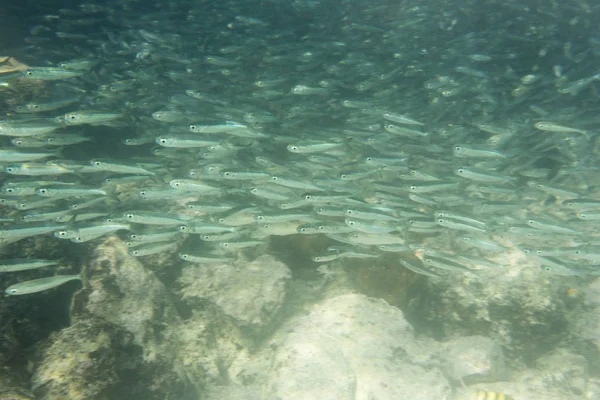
{"x": 559, "y": 375}
{"x": 473, "y": 359}
{"x": 352, "y": 347}
{"x": 121, "y": 291}
{"x": 518, "y": 306}
{"x": 249, "y": 292}
{"x": 84, "y": 361}
{"x": 233, "y": 308}
{"x": 13, "y": 388}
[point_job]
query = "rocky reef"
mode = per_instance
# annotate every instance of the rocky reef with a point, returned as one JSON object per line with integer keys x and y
{"x": 247, "y": 330}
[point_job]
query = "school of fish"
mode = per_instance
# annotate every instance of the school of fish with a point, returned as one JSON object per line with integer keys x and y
{"x": 441, "y": 134}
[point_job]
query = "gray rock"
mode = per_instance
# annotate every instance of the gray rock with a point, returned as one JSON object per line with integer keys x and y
{"x": 122, "y": 291}
{"x": 516, "y": 306}
{"x": 85, "y": 361}
{"x": 473, "y": 359}
{"x": 251, "y": 293}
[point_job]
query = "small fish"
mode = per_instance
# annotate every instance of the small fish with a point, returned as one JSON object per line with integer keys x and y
{"x": 304, "y": 90}
{"x": 401, "y": 119}
{"x": 153, "y": 248}
{"x": 552, "y": 127}
{"x": 463, "y": 151}
{"x": 308, "y": 148}
{"x": 34, "y": 169}
{"x": 35, "y": 127}
{"x": 80, "y": 64}
{"x": 149, "y": 218}
{"x": 38, "y": 107}
{"x": 16, "y": 155}
{"x": 204, "y": 259}
{"x": 24, "y": 264}
{"x": 222, "y": 128}
{"x": 39, "y": 285}
{"x": 50, "y": 73}
{"x": 87, "y": 117}
{"x": 106, "y": 166}
{"x": 481, "y": 175}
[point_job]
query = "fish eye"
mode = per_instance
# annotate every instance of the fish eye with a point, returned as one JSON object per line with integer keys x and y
{"x": 176, "y": 184}
{"x": 413, "y": 171}
{"x": 72, "y": 116}
{"x": 303, "y": 230}
{"x": 28, "y": 73}
{"x": 546, "y": 268}
{"x": 457, "y": 148}
{"x": 143, "y": 193}
{"x": 162, "y": 141}
{"x": 97, "y": 163}
{"x": 254, "y": 191}
{"x": 343, "y": 176}
{"x": 221, "y": 220}
{"x": 43, "y": 191}
{"x": 274, "y": 178}
{"x": 227, "y": 173}
{"x": 349, "y": 212}
{"x": 9, "y": 190}
{"x": 18, "y": 142}
{"x": 583, "y": 215}
{"x": 368, "y": 159}
{"x": 206, "y": 237}
{"x": 321, "y": 227}
{"x": 351, "y": 222}
{"x": 129, "y": 216}
{"x": 440, "y": 220}
{"x": 13, "y": 291}
{"x": 183, "y": 228}
{"x": 293, "y": 148}
{"x": 62, "y": 233}
{"x": 317, "y": 258}
{"x": 135, "y": 252}
{"x": 193, "y": 127}
{"x": 531, "y": 222}
{"x": 308, "y": 197}
{"x": 413, "y": 188}
{"x": 260, "y": 217}
{"x": 460, "y": 170}
{"x": 225, "y": 244}
{"x": 9, "y": 169}
{"x": 184, "y": 256}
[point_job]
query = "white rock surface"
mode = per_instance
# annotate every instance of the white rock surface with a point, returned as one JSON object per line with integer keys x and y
{"x": 473, "y": 359}
{"x": 352, "y": 347}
